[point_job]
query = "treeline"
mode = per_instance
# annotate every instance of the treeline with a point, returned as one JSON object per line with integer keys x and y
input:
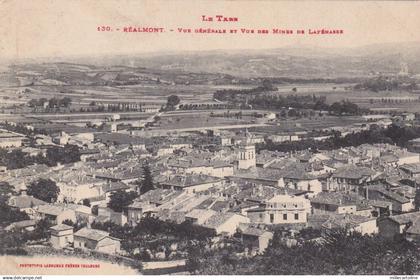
{"x": 206, "y": 106}
{"x": 258, "y": 98}
{"x": 339, "y": 253}
{"x": 392, "y": 135}
{"x": 50, "y": 103}
{"x": 293, "y": 101}
{"x": 386, "y": 84}
{"x": 16, "y": 159}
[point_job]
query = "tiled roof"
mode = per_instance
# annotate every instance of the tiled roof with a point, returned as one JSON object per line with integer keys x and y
{"x": 218, "y": 220}
{"x": 184, "y": 181}
{"x": 353, "y": 172}
{"x": 345, "y": 220}
{"x": 92, "y": 234}
{"x": 23, "y": 224}
{"x": 52, "y": 210}
{"x": 61, "y": 227}
{"x": 253, "y": 231}
{"x": 413, "y": 167}
{"x": 405, "y": 218}
{"x": 334, "y": 198}
{"x": 390, "y": 194}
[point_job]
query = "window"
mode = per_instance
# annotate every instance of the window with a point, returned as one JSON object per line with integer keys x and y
{"x": 284, "y": 216}
{"x": 271, "y": 218}
{"x": 296, "y": 216}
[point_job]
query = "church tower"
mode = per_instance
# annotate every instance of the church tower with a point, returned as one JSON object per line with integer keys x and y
{"x": 246, "y": 155}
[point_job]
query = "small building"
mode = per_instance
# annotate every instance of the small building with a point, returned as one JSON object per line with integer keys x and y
{"x": 96, "y": 240}
{"x": 393, "y": 226}
{"x": 55, "y": 214}
{"x": 225, "y": 223}
{"x": 61, "y": 235}
{"x": 28, "y": 225}
{"x": 255, "y": 239}
{"x": 338, "y": 203}
{"x": 25, "y": 203}
{"x": 199, "y": 216}
{"x": 362, "y": 224}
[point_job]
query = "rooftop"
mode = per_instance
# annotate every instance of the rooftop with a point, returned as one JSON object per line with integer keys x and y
{"x": 92, "y": 234}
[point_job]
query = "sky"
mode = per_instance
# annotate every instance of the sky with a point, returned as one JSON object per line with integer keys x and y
{"x": 60, "y": 28}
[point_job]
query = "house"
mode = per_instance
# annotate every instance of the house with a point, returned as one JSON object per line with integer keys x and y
{"x": 225, "y": 223}
{"x": 400, "y": 203}
{"x": 25, "y": 203}
{"x": 28, "y": 225}
{"x": 393, "y": 226}
{"x": 340, "y": 203}
{"x": 362, "y": 224}
{"x": 96, "y": 240}
{"x": 61, "y": 235}
{"x": 55, "y": 214}
{"x": 413, "y": 232}
{"x": 106, "y": 214}
{"x": 10, "y": 139}
{"x": 137, "y": 210}
{"x": 281, "y": 209}
{"x": 199, "y": 216}
{"x": 75, "y": 187}
{"x": 254, "y": 238}
{"x": 411, "y": 170}
{"x": 83, "y": 213}
{"x": 349, "y": 177}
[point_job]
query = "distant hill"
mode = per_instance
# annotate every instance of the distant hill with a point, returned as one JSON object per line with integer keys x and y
{"x": 220, "y": 65}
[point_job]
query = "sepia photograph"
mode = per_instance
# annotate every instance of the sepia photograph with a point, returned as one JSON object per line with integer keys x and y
{"x": 209, "y": 138}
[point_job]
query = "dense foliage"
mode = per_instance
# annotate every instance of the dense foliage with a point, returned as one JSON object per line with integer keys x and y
{"x": 50, "y": 103}
{"x": 392, "y": 135}
{"x": 15, "y": 159}
{"x": 340, "y": 253}
{"x": 382, "y": 83}
{"x": 120, "y": 199}
{"x": 44, "y": 189}
{"x": 263, "y": 98}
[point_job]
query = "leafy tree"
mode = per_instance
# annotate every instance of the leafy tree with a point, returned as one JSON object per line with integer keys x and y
{"x": 172, "y": 101}
{"x": 120, "y": 199}
{"x": 67, "y": 154}
{"x": 65, "y": 102}
{"x": 44, "y": 189}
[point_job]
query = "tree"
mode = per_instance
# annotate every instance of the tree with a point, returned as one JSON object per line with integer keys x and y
{"x": 147, "y": 183}
{"x": 44, "y": 189}
{"x": 65, "y": 102}
{"x": 7, "y": 214}
{"x": 120, "y": 199}
{"x": 172, "y": 101}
